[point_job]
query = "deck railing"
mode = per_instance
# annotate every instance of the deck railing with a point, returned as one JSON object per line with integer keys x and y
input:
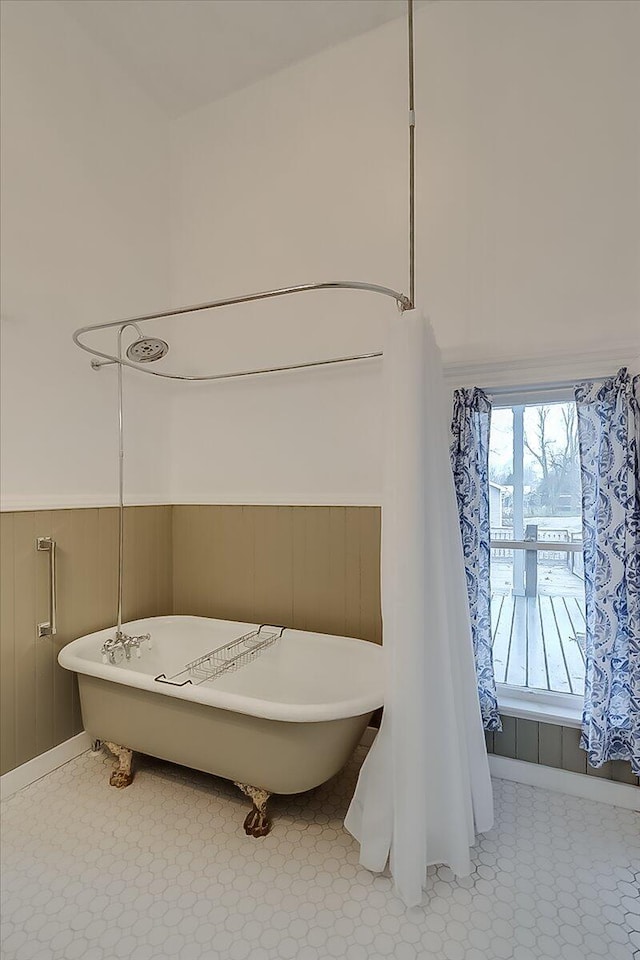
{"x": 564, "y": 544}
{"x": 553, "y": 534}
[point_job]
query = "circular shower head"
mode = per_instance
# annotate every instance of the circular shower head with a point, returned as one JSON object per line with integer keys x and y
{"x": 147, "y": 349}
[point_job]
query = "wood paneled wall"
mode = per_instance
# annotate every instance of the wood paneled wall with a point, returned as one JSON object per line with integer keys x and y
{"x": 553, "y": 746}
{"x": 38, "y": 700}
{"x": 313, "y": 568}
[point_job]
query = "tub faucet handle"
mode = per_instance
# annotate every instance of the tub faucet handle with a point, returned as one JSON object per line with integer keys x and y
{"x": 116, "y": 647}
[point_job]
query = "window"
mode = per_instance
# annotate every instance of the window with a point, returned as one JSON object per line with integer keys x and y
{"x": 537, "y": 579}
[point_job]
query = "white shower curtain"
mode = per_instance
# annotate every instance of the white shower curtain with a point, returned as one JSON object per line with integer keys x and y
{"x": 424, "y": 790}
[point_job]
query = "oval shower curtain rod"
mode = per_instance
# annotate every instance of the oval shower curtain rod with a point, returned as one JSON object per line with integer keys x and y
{"x": 403, "y": 301}
{"x": 106, "y": 358}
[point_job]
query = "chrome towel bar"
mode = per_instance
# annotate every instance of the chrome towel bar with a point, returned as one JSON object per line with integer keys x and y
{"x": 49, "y": 627}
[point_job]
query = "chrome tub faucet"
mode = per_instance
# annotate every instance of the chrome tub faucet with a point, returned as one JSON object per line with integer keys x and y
{"x": 115, "y": 648}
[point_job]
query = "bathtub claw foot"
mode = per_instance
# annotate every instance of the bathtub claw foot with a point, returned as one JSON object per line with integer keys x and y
{"x": 257, "y": 823}
{"x": 122, "y": 776}
{"x": 120, "y": 779}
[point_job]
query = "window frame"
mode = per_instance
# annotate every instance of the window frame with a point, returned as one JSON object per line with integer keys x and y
{"x": 543, "y": 706}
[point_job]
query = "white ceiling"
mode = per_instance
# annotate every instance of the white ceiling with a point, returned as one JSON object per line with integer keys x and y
{"x": 185, "y": 53}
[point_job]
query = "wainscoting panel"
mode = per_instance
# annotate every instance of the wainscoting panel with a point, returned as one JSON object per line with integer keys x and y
{"x": 39, "y": 706}
{"x": 312, "y": 568}
{"x": 553, "y": 746}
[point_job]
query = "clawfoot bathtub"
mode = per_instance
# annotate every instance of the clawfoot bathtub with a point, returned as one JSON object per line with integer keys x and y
{"x": 284, "y": 722}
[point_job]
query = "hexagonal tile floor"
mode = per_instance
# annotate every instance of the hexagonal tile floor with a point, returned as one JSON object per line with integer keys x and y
{"x": 164, "y": 869}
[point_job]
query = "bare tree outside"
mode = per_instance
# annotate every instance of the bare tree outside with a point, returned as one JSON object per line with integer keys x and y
{"x": 555, "y": 451}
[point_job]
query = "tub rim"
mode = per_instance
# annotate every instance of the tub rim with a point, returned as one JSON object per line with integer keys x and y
{"x": 70, "y": 659}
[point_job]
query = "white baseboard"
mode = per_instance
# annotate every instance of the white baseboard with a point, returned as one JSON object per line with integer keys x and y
{"x": 564, "y": 781}
{"x": 550, "y": 778}
{"x": 40, "y": 766}
{"x": 502, "y": 768}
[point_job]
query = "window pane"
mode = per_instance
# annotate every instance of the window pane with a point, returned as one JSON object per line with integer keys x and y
{"x": 552, "y": 467}
{"x": 548, "y": 572}
{"x": 538, "y": 630}
{"x": 537, "y": 596}
{"x": 534, "y": 477}
{"x": 501, "y": 470}
{"x": 540, "y": 471}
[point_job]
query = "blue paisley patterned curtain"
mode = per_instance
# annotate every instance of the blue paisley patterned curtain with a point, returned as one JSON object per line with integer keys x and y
{"x": 470, "y": 463}
{"x": 609, "y": 434}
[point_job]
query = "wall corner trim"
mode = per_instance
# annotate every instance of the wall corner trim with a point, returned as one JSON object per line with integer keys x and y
{"x": 16, "y": 503}
{"x": 369, "y": 735}
{"x": 564, "y": 781}
{"x": 228, "y": 498}
{"x": 33, "y": 770}
{"x": 462, "y": 367}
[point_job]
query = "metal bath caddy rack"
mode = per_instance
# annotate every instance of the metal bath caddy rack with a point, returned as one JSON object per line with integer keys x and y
{"x": 227, "y": 658}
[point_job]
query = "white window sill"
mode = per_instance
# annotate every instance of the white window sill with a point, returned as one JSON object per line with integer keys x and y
{"x": 560, "y": 708}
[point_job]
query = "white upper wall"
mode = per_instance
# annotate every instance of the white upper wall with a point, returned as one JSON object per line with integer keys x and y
{"x": 84, "y": 240}
{"x": 186, "y": 53}
{"x": 528, "y": 228}
{"x": 528, "y": 239}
